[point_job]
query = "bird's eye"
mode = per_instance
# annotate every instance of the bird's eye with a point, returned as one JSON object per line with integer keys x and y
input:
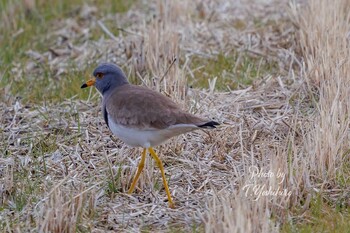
{"x": 99, "y": 75}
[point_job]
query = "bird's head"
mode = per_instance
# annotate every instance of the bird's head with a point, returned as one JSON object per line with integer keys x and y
{"x": 107, "y": 76}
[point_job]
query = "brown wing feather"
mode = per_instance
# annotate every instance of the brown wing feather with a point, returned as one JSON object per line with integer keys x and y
{"x": 140, "y": 107}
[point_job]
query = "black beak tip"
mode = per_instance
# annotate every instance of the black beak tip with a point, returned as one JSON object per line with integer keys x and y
{"x": 84, "y": 85}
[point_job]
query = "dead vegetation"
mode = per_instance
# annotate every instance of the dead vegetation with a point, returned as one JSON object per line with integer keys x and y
{"x": 61, "y": 170}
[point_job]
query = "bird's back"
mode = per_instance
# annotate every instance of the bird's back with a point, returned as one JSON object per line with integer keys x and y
{"x": 140, "y": 107}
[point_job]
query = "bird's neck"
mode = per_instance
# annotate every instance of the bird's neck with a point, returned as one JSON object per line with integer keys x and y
{"x": 110, "y": 87}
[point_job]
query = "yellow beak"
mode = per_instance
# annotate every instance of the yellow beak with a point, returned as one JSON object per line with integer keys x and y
{"x": 89, "y": 83}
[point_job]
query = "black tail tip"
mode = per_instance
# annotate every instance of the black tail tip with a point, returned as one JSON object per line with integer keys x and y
{"x": 209, "y": 125}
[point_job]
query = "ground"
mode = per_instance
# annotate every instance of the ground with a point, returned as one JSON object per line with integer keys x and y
{"x": 271, "y": 72}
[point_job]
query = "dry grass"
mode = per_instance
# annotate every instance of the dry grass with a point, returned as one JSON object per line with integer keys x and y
{"x": 61, "y": 170}
{"x": 324, "y": 42}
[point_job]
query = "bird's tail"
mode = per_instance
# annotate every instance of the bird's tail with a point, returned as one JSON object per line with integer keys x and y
{"x": 209, "y": 125}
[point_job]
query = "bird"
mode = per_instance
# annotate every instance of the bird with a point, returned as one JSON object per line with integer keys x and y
{"x": 141, "y": 117}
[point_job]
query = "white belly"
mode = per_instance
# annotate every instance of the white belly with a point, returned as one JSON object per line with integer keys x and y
{"x": 148, "y": 137}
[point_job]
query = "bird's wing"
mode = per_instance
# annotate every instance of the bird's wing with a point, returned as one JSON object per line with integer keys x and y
{"x": 140, "y": 107}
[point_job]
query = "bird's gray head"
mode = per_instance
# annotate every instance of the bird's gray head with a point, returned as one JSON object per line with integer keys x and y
{"x": 107, "y": 76}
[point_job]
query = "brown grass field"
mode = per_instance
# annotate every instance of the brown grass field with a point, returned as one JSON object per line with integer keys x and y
{"x": 274, "y": 73}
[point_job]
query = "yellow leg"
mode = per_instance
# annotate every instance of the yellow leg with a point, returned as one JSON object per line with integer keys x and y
{"x": 160, "y": 165}
{"x": 139, "y": 170}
